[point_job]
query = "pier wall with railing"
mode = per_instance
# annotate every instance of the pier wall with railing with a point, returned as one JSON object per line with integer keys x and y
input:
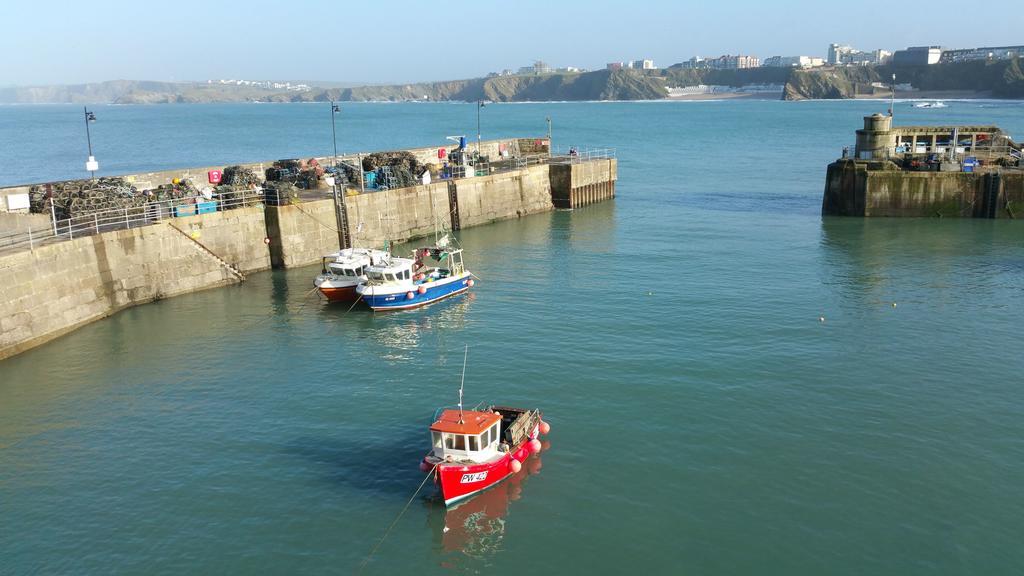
{"x": 301, "y": 232}
{"x": 71, "y": 272}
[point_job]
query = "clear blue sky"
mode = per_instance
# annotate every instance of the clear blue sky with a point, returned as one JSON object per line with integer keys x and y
{"x": 65, "y": 41}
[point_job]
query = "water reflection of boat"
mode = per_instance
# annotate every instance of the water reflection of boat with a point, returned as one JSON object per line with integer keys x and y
{"x": 476, "y": 527}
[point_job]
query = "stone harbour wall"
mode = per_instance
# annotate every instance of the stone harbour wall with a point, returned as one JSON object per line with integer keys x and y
{"x": 862, "y": 189}
{"x": 56, "y": 287}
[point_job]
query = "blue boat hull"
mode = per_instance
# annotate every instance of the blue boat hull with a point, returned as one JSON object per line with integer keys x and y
{"x": 434, "y": 291}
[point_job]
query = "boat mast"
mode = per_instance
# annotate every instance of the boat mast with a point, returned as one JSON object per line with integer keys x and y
{"x": 463, "y": 382}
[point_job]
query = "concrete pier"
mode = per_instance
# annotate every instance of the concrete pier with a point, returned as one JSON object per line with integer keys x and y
{"x": 926, "y": 171}
{"x": 577, "y": 183}
{"x": 53, "y": 288}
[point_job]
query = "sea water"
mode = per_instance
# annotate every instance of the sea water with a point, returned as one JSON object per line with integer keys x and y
{"x": 735, "y": 384}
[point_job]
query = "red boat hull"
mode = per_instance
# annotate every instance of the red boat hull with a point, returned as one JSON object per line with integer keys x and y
{"x": 459, "y": 481}
{"x": 346, "y": 294}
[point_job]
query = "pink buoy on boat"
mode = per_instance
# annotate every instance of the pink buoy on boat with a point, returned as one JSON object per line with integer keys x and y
{"x": 544, "y": 427}
{"x": 470, "y": 283}
{"x": 515, "y": 465}
{"x": 422, "y": 289}
{"x": 534, "y": 446}
{"x": 410, "y": 295}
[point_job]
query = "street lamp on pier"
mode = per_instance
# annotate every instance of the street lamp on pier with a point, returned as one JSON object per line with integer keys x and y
{"x": 335, "y": 110}
{"x": 91, "y": 164}
{"x": 479, "y": 104}
{"x": 892, "y": 97}
{"x": 550, "y": 147}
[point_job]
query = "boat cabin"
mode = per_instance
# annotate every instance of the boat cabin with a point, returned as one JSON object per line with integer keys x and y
{"x": 349, "y": 269}
{"x": 398, "y": 270}
{"x": 466, "y": 435}
{"x": 351, "y": 262}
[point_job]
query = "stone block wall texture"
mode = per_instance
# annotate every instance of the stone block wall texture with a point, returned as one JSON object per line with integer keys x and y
{"x": 500, "y": 196}
{"x": 301, "y": 233}
{"x": 853, "y": 189}
{"x": 579, "y": 184}
{"x": 58, "y": 287}
{"x": 12, "y": 222}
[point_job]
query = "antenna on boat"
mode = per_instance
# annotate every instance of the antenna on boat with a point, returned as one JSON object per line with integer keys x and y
{"x": 463, "y": 382}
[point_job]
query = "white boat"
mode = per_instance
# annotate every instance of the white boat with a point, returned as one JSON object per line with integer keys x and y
{"x": 400, "y": 283}
{"x": 343, "y": 271}
{"x": 936, "y": 104}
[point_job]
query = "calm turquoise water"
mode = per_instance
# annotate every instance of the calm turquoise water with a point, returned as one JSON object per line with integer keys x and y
{"x": 704, "y": 420}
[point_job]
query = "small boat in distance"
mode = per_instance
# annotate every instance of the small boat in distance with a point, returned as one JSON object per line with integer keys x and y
{"x": 474, "y": 450}
{"x": 936, "y": 104}
{"x": 401, "y": 283}
{"x": 342, "y": 271}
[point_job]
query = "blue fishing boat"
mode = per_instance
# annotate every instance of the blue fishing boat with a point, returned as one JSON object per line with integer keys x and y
{"x": 402, "y": 283}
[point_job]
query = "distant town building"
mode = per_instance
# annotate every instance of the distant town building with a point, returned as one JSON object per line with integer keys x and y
{"x": 793, "y": 62}
{"x": 727, "y": 62}
{"x": 694, "y": 63}
{"x": 642, "y": 64}
{"x": 918, "y": 56}
{"x": 614, "y": 66}
{"x": 972, "y": 54}
{"x": 265, "y": 84}
{"x": 841, "y": 55}
{"x": 539, "y": 67}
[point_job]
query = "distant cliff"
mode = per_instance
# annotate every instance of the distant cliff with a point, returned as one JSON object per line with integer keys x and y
{"x": 597, "y": 85}
{"x": 999, "y": 79}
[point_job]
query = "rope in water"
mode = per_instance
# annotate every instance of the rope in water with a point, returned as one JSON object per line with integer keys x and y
{"x": 395, "y": 521}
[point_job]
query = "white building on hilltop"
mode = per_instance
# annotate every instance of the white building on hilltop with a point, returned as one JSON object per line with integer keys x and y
{"x": 793, "y": 62}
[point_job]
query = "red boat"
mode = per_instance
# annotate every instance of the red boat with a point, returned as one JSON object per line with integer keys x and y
{"x": 474, "y": 450}
{"x": 476, "y": 526}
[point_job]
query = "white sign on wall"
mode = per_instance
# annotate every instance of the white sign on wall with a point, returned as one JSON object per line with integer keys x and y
{"x": 17, "y": 202}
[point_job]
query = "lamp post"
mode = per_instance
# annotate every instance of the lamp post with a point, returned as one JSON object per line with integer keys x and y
{"x": 91, "y": 164}
{"x": 335, "y": 110}
{"x": 550, "y": 146}
{"x": 479, "y": 104}
{"x": 892, "y": 98}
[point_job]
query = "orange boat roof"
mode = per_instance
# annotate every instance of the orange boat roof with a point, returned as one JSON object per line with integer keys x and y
{"x": 472, "y": 422}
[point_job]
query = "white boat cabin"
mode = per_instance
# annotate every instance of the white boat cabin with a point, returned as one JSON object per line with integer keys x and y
{"x": 351, "y": 263}
{"x": 410, "y": 272}
{"x": 466, "y": 435}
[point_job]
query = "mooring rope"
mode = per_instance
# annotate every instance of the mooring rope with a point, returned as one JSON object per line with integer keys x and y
{"x": 395, "y": 521}
{"x": 314, "y": 218}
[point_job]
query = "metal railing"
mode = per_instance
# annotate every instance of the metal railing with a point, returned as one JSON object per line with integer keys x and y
{"x": 125, "y": 218}
{"x": 575, "y": 156}
{"x": 153, "y": 212}
{"x": 982, "y": 153}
